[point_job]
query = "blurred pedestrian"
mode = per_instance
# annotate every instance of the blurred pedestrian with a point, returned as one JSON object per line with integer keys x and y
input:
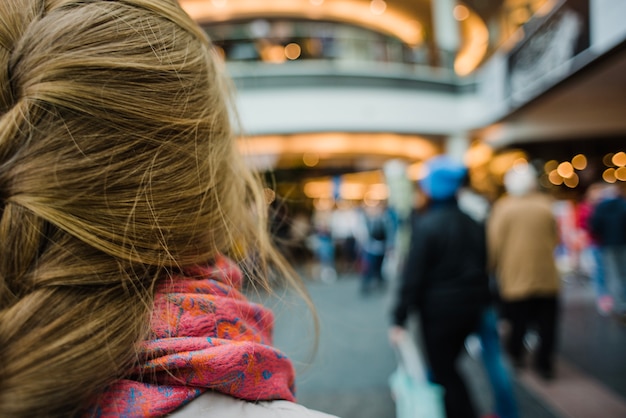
{"x": 608, "y": 223}
{"x": 487, "y": 334}
{"x": 444, "y": 280}
{"x": 123, "y": 194}
{"x": 373, "y": 238}
{"x": 591, "y": 249}
{"x": 522, "y": 236}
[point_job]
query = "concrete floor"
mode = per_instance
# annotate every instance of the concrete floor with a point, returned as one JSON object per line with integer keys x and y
{"x": 348, "y": 375}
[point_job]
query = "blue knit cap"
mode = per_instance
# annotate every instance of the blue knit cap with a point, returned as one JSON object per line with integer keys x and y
{"x": 444, "y": 176}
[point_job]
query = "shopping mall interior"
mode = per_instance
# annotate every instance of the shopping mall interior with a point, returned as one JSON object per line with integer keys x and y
{"x": 341, "y": 102}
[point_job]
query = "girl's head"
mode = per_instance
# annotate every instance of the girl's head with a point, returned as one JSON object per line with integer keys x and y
{"x": 117, "y": 166}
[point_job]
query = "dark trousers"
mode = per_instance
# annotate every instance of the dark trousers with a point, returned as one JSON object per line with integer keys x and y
{"x": 373, "y": 264}
{"x": 444, "y": 339}
{"x": 541, "y": 312}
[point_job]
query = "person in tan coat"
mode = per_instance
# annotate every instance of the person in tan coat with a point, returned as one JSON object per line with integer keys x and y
{"x": 521, "y": 236}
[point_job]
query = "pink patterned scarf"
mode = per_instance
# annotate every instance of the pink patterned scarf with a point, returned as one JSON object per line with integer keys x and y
{"x": 205, "y": 336}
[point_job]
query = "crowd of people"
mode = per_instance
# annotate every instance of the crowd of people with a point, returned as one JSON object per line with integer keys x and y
{"x": 129, "y": 225}
{"x": 466, "y": 274}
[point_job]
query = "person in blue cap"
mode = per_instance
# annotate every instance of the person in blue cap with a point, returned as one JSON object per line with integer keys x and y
{"x": 444, "y": 280}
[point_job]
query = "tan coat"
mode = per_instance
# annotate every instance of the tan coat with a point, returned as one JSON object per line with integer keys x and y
{"x": 216, "y": 405}
{"x": 521, "y": 238}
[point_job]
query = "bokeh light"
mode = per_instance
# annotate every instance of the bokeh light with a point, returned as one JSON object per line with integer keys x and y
{"x": 571, "y": 181}
{"x": 619, "y": 159}
{"x": 565, "y": 170}
{"x": 555, "y": 178}
{"x": 609, "y": 175}
{"x": 579, "y": 162}
{"x": 550, "y": 166}
{"x": 293, "y": 51}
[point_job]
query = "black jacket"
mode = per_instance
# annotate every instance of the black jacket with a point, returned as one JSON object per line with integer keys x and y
{"x": 445, "y": 273}
{"x": 608, "y": 222}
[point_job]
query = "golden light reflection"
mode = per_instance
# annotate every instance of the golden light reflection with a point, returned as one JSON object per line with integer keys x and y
{"x": 609, "y": 175}
{"x": 317, "y": 189}
{"x": 327, "y": 145}
{"x": 620, "y": 174}
{"x": 352, "y": 191}
{"x": 475, "y": 40}
{"x": 460, "y": 12}
{"x": 619, "y": 159}
{"x": 392, "y": 21}
{"x": 273, "y": 54}
{"x": 500, "y": 164}
{"x": 565, "y": 170}
{"x": 310, "y": 159}
{"x": 550, "y": 166}
{"x": 607, "y": 160}
{"x": 571, "y": 181}
{"x": 477, "y": 155}
{"x": 355, "y": 186}
{"x": 293, "y": 51}
{"x": 555, "y": 178}
{"x": 579, "y": 162}
{"x": 378, "y": 7}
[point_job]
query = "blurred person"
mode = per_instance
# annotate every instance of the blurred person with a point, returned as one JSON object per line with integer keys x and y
{"x": 608, "y": 223}
{"x": 591, "y": 249}
{"x": 122, "y": 195}
{"x": 324, "y": 244}
{"x": 522, "y": 236}
{"x": 487, "y": 335}
{"x": 373, "y": 239}
{"x": 344, "y": 223}
{"x": 444, "y": 280}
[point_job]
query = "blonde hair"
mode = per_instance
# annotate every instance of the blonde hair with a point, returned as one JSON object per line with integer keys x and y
{"x": 118, "y": 166}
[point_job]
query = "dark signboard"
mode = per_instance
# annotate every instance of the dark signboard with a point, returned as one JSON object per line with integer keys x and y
{"x": 547, "y": 53}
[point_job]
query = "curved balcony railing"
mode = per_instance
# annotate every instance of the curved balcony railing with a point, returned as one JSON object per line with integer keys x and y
{"x": 275, "y": 52}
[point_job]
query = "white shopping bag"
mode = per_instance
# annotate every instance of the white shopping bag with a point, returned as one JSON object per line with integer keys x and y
{"x": 414, "y": 395}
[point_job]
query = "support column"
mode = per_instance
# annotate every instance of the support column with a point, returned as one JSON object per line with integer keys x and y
{"x": 456, "y": 146}
{"x": 446, "y": 31}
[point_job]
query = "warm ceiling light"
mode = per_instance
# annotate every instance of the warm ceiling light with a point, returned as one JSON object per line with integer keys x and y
{"x": 334, "y": 144}
{"x": 219, "y": 3}
{"x": 619, "y": 159}
{"x": 351, "y": 191}
{"x": 292, "y": 51}
{"x": 310, "y": 159}
{"x": 477, "y": 155}
{"x": 565, "y": 170}
{"x": 394, "y": 22}
{"x": 460, "y": 12}
{"x": 318, "y": 189}
{"x": 579, "y": 162}
{"x": 620, "y": 174}
{"x": 316, "y": 2}
{"x": 273, "y": 53}
{"x": 474, "y": 45}
{"x": 609, "y": 175}
{"x": 378, "y": 7}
